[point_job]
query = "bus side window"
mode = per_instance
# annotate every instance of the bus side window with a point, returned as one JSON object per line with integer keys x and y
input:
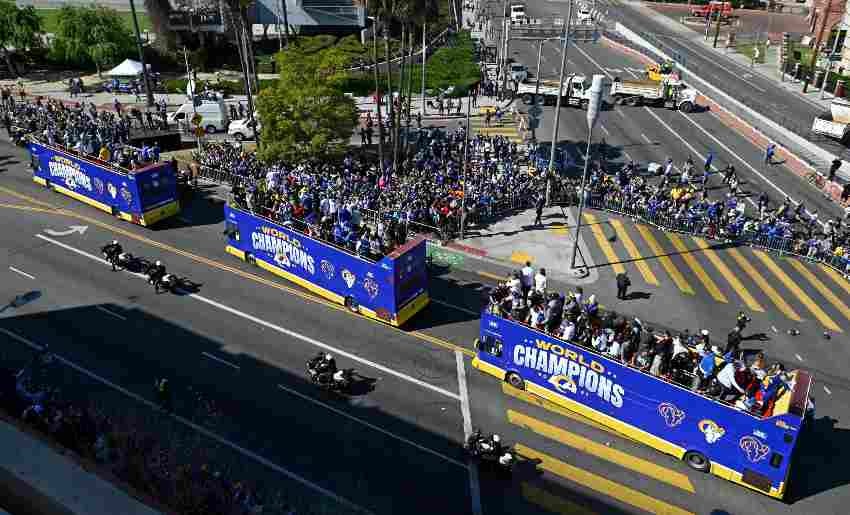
{"x": 231, "y": 230}
{"x": 490, "y": 345}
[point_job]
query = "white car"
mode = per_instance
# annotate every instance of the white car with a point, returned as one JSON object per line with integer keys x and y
{"x": 584, "y": 14}
{"x": 517, "y": 12}
{"x": 518, "y": 72}
{"x": 240, "y": 130}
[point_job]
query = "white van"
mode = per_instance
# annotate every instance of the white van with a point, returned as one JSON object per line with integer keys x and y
{"x": 518, "y": 72}
{"x": 213, "y": 113}
{"x": 517, "y": 12}
{"x": 585, "y": 15}
{"x": 241, "y": 130}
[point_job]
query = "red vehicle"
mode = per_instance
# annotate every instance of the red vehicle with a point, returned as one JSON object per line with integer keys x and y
{"x": 724, "y": 8}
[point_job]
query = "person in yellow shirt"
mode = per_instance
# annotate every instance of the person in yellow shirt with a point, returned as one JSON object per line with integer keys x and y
{"x": 104, "y": 154}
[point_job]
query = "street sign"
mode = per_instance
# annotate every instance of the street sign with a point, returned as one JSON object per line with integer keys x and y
{"x": 535, "y": 111}
{"x": 197, "y": 119}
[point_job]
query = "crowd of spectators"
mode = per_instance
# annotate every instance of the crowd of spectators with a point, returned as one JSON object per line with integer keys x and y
{"x": 79, "y": 128}
{"x": 181, "y": 479}
{"x": 692, "y": 360}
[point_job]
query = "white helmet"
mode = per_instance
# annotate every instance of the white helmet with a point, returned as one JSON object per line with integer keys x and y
{"x": 159, "y": 263}
{"x": 496, "y": 438}
{"x": 328, "y": 357}
{"x": 115, "y": 242}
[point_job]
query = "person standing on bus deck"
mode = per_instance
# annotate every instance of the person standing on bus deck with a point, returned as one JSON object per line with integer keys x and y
{"x": 623, "y": 283}
{"x": 733, "y": 341}
{"x": 527, "y": 278}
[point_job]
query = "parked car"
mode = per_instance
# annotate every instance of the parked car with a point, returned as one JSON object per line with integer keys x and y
{"x": 242, "y": 130}
{"x": 518, "y": 72}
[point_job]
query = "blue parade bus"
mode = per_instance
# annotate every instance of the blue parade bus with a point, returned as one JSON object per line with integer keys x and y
{"x": 710, "y": 436}
{"x": 390, "y": 290}
{"x": 143, "y": 196}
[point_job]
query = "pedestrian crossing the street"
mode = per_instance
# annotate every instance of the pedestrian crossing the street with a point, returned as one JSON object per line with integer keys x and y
{"x": 507, "y": 127}
{"x": 755, "y": 280}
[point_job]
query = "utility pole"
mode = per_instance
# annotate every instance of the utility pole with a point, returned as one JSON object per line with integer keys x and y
{"x": 424, "y": 56}
{"x": 246, "y": 73}
{"x": 537, "y": 84}
{"x": 378, "y": 96}
{"x": 465, "y": 166}
{"x": 813, "y": 62}
{"x": 193, "y": 86}
{"x": 829, "y": 67}
{"x": 551, "y": 169}
{"x": 592, "y": 115}
{"x": 717, "y": 30}
{"x": 148, "y": 89}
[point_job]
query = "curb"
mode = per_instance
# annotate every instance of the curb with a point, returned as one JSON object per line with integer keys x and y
{"x": 467, "y": 249}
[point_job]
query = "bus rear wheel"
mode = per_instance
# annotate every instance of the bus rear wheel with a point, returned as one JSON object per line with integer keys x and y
{"x": 515, "y": 380}
{"x": 697, "y": 461}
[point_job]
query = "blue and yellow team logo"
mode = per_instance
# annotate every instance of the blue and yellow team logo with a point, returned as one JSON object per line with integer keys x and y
{"x": 711, "y": 430}
{"x": 563, "y": 384}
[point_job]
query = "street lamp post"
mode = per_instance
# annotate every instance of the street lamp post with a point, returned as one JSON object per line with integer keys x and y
{"x": 551, "y": 168}
{"x": 148, "y": 90}
{"x": 465, "y": 172}
{"x": 537, "y": 84}
{"x": 829, "y": 65}
{"x": 592, "y": 115}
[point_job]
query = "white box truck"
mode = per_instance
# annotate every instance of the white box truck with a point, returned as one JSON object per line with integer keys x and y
{"x": 576, "y": 91}
{"x": 834, "y": 123}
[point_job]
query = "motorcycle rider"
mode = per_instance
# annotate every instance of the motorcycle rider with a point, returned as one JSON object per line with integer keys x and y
{"x": 491, "y": 445}
{"x": 323, "y": 367}
{"x": 112, "y": 251}
{"x": 340, "y": 378}
{"x": 155, "y": 274}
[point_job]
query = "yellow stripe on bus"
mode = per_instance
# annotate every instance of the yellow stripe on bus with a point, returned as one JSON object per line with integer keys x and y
{"x": 765, "y": 286}
{"x": 797, "y": 291}
{"x": 820, "y": 287}
{"x": 625, "y": 460}
{"x": 604, "y": 244}
{"x": 631, "y": 248}
{"x": 666, "y": 262}
{"x": 697, "y": 268}
{"x": 551, "y": 502}
{"x": 600, "y": 484}
{"x": 727, "y": 274}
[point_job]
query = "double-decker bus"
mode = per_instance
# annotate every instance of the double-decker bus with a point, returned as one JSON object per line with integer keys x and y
{"x": 391, "y": 289}
{"x": 143, "y": 196}
{"x": 709, "y": 435}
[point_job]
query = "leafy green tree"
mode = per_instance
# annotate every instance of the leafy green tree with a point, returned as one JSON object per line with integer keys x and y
{"x": 93, "y": 35}
{"x": 20, "y": 29}
{"x": 306, "y": 114}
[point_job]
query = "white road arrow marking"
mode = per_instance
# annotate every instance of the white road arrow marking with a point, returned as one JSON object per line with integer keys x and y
{"x": 71, "y": 230}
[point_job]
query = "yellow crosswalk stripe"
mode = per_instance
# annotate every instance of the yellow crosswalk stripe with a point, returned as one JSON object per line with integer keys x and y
{"x": 631, "y": 248}
{"x": 554, "y": 408}
{"x": 797, "y": 291}
{"x": 697, "y": 268}
{"x": 559, "y": 229}
{"x": 837, "y": 278}
{"x": 600, "y": 484}
{"x": 820, "y": 287}
{"x": 604, "y": 244}
{"x": 552, "y": 503}
{"x": 727, "y": 274}
{"x": 765, "y": 286}
{"x": 666, "y": 262}
{"x": 625, "y": 460}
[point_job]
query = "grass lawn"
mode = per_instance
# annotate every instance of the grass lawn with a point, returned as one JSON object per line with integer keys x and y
{"x": 748, "y": 49}
{"x": 49, "y": 20}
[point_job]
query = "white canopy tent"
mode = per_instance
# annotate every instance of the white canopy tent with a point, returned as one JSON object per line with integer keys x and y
{"x": 128, "y": 68}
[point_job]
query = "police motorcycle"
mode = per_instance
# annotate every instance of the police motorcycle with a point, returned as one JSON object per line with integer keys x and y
{"x": 115, "y": 255}
{"x": 490, "y": 449}
{"x": 162, "y": 281}
{"x": 323, "y": 372}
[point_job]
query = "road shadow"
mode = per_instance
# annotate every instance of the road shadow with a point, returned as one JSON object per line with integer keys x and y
{"x": 820, "y": 460}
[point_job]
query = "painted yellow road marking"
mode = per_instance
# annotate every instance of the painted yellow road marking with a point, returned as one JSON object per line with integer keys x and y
{"x": 552, "y": 503}
{"x": 625, "y": 460}
{"x": 820, "y": 287}
{"x": 666, "y": 262}
{"x": 521, "y": 257}
{"x": 797, "y": 291}
{"x": 837, "y": 278}
{"x": 600, "y": 484}
{"x": 631, "y": 248}
{"x": 604, "y": 244}
{"x": 765, "y": 286}
{"x": 559, "y": 229}
{"x": 697, "y": 268}
{"x": 540, "y": 402}
{"x": 221, "y": 266}
{"x": 488, "y": 275}
{"x": 727, "y": 274}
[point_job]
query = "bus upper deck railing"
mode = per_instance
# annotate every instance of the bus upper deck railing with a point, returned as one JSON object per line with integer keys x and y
{"x": 111, "y": 166}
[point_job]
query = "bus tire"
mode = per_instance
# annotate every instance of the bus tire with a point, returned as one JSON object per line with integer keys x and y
{"x": 686, "y": 107}
{"x": 527, "y": 98}
{"x": 352, "y": 305}
{"x": 515, "y": 380}
{"x": 250, "y": 259}
{"x": 697, "y": 461}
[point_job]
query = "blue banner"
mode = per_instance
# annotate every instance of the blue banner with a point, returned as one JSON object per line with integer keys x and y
{"x": 392, "y": 289}
{"x": 103, "y": 185}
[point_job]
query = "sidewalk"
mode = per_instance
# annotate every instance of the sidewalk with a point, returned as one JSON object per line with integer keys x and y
{"x": 34, "y": 478}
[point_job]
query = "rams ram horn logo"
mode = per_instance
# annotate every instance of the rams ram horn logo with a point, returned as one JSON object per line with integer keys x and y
{"x": 371, "y": 287}
{"x": 112, "y": 190}
{"x": 755, "y": 449}
{"x": 711, "y": 430}
{"x": 673, "y": 416}
{"x": 348, "y": 277}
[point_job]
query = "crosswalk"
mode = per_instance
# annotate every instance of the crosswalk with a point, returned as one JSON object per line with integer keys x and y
{"x": 755, "y": 280}
{"x": 539, "y": 433}
{"x": 508, "y": 128}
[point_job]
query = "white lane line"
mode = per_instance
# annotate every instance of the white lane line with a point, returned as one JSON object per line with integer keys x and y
{"x": 222, "y": 361}
{"x": 474, "y": 484}
{"x": 646, "y": 138}
{"x": 111, "y": 313}
{"x": 748, "y": 165}
{"x": 206, "y": 432}
{"x": 709, "y": 58}
{"x": 275, "y": 327}
{"x": 827, "y": 390}
{"x": 455, "y": 306}
{"x": 371, "y": 426}
{"x": 604, "y": 130}
{"x": 21, "y": 272}
{"x": 800, "y": 358}
{"x": 620, "y": 112}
